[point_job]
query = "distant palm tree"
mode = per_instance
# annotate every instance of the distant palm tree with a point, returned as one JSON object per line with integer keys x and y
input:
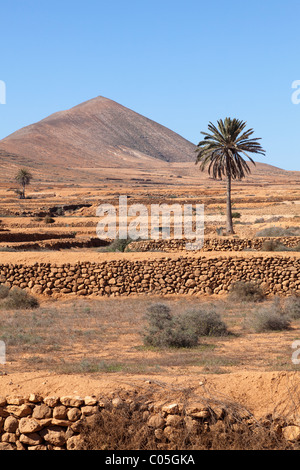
{"x": 23, "y": 177}
{"x": 222, "y": 152}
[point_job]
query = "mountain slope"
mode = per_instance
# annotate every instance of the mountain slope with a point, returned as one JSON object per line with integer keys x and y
{"x": 98, "y": 138}
{"x": 96, "y": 133}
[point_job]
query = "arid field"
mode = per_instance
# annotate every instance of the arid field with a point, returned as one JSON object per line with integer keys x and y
{"x": 94, "y": 344}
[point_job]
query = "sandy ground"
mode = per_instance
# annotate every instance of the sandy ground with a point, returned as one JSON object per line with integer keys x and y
{"x": 262, "y": 393}
{"x": 61, "y": 257}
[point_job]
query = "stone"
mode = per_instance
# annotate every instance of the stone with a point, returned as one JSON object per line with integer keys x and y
{"x": 29, "y": 425}
{"x": 74, "y": 414}
{"x": 72, "y": 401}
{"x": 11, "y": 424}
{"x": 198, "y": 411}
{"x": 54, "y": 435}
{"x": 89, "y": 410}
{"x": 51, "y": 401}
{"x": 15, "y": 400}
{"x": 90, "y": 401}
{"x": 291, "y": 433}
{"x": 174, "y": 420}
{"x": 42, "y": 411}
{"x": 3, "y": 401}
{"x": 6, "y": 446}
{"x": 173, "y": 408}
{"x": 37, "y": 289}
{"x": 9, "y": 437}
{"x": 75, "y": 443}
{"x": 31, "y": 439}
{"x": 37, "y": 447}
{"x": 19, "y": 411}
{"x": 156, "y": 421}
{"x": 35, "y": 398}
{"x": 60, "y": 412}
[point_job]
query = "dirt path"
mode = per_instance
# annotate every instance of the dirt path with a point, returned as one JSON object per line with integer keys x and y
{"x": 73, "y": 257}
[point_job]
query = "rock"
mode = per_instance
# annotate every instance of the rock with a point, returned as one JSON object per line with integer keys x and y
{"x": 11, "y": 424}
{"x": 75, "y": 443}
{"x": 174, "y": 420}
{"x": 31, "y": 439}
{"x": 156, "y": 421}
{"x": 42, "y": 411}
{"x": 19, "y": 411}
{"x": 198, "y": 411}
{"x": 6, "y": 446}
{"x": 89, "y": 410}
{"x": 15, "y": 400}
{"x": 72, "y": 401}
{"x": 291, "y": 433}
{"x": 60, "y": 412}
{"x": 29, "y": 425}
{"x": 54, "y": 435}
{"x": 9, "y": 437}
{"x": 51, "y": 401}
{"x": 173, "y": 408}
{"x": 90, "y": 401}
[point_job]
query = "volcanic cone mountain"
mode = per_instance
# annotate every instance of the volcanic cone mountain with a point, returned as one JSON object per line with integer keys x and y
{"x": 101, "y": 139}
{"x": 98, "y": 133}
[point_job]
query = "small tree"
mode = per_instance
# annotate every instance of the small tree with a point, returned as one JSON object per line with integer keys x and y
{"x": 23, "y": 177}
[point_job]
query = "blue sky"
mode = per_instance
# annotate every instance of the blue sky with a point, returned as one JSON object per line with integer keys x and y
{"x": 180, "y": 63}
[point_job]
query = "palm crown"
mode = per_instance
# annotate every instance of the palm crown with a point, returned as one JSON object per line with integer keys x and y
{"x": 222, "y": 150}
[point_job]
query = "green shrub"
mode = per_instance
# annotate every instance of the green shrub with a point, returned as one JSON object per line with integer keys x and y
{"x": 246, "y": 291}
{"x": 206, "y": 321}
{"x": 19, "y": 299}
{"x": 236, "y": 215}
{"x": 164, "y": 330}
{"x": 117, "y": 245}
{"x": 270, "y": 318}
{"x": 183, "y": 330}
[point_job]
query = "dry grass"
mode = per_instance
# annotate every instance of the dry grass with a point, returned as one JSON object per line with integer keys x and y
{"x": 125, "y": 428}
{"x": 105, "y": 336}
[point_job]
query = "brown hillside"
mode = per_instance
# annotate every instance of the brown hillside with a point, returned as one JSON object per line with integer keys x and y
{"x": 101, "y": 139}
{"x": 95, "y": 134}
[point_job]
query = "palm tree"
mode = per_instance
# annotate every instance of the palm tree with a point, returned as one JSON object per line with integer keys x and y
{"x": 23, "y": 177}
{"x": 223, "y": 150}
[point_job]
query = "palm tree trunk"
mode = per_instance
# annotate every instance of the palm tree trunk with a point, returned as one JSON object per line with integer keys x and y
{"x": 229, "y": 224}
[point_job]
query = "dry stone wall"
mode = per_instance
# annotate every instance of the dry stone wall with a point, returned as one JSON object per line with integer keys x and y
{"x": 50, "y": 423}
{"x": 180, "y": 275}
{"x": 60, "y": 423}
{"x": 214, "y": 244}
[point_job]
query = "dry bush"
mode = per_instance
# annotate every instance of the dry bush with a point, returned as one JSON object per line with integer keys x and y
{"x": 17, "y": 298}
{"x": 206, "y": 320}
{"x": 246, "y": 291}
{"x": 165, "y": 331}
{"x": 279, "y": 232}
{"x": 292, "y": 307}
{"x": 275, "y": 245}
{"x": 270, "y": 318}
{"x": 4, "y": 291}
{"x": 123, "y": 429}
